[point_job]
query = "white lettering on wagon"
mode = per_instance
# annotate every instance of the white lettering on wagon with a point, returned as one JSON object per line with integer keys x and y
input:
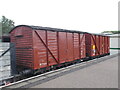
{"x": 43, "y": 64}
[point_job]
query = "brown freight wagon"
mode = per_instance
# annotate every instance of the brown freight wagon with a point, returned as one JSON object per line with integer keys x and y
{"x": 42, "y": 47}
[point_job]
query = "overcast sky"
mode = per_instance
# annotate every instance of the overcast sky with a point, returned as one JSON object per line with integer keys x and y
{"x": 84, "y": 15}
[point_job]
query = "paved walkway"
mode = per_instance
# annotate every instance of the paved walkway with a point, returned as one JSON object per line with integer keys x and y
{"x": 100, "y": 75}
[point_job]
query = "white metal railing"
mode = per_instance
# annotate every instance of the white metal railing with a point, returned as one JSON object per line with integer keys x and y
{"x": 5, "y": 67}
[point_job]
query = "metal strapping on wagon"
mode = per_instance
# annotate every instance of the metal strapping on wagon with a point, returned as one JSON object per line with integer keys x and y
{"x": 82, "y": 39}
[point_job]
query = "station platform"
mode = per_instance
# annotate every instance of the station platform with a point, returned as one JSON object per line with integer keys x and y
{"x": 100, "y": 75}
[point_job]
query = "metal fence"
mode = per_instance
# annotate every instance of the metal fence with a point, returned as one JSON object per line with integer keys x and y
{"x": 7, "y": 61}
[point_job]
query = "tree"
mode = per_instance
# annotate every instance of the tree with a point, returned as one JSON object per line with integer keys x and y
{"x": 113, "y": 32}
{"x": 7, "y": 25}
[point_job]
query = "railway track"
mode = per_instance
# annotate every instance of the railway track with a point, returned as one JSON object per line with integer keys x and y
{"x": 32, "y": 81}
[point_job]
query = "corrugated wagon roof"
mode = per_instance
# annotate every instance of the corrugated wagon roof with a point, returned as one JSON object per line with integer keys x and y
{"x": 48, "y": 28}
{"x": 53, "y": 29}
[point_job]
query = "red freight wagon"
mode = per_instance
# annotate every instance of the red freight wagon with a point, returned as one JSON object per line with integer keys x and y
{"x": 41, "y": 47}
{"x": 96, "y": 45}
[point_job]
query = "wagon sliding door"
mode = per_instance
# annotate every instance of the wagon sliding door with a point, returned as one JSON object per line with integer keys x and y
{"x": 40, "y": 51}
{"x": 45, "y": 48}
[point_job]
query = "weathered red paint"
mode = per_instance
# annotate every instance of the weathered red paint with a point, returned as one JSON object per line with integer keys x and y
{"x": 62, "y": 47}
{"x": 76, "y": 45}
{"x": 97, "y": 45}
{"x": 70, "y": 47}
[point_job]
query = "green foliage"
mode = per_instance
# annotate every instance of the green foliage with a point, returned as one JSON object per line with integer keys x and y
{"x": 113, "y": 32}
{"x": 7, "y": 25}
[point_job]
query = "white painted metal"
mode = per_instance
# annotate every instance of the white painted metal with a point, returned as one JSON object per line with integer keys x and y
{"x": 5, "y": 67}
{"x": 114, "y": 39}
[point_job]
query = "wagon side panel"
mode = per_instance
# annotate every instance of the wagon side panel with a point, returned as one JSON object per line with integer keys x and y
{"x": 82, "y": 46}
{"x": 108, "y": 44}
{"x": 52, "y": 45}
{"x": 101, "y": 48}
{"x": 40, "y": 52}
{"x": 69, "y": 47}
{"x": 103, "y": 45}
{"x": 62, "y": 47}
{"x": 88, "y": 44}
{"x": 76, "y": 45}
{"x": 97, "y": 45}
